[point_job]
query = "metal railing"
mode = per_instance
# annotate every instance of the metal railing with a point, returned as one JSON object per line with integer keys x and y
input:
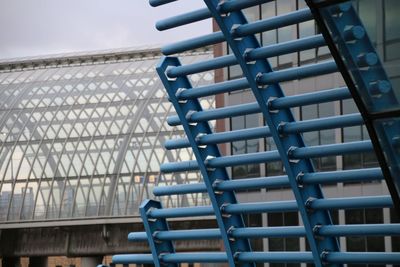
{"x": 280, "y": 125}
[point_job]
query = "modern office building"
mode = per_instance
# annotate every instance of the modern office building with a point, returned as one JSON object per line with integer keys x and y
{"x": 379, "y": 18}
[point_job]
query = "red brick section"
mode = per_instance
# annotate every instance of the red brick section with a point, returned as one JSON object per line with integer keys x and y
{"x": 218, "y": 50}
{"x": 219, "y": 99}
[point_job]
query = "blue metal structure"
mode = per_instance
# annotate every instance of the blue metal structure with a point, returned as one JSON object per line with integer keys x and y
{"x": 365, "y": 77}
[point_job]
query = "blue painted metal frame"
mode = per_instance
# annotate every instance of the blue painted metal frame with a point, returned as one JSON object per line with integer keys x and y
{"x": 203, "y": 153}
{"x": 367, "y": 81}
{"x": 253, "y": 72}
{"x": 281, "y": 126}
{"x": 159, "y": 248}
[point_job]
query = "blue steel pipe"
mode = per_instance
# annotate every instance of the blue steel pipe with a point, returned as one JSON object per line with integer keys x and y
{"x": 351, "y": 203}
{"x": 228, "y": 185}
{"x": 277, "y": 231}
{"x": 270, "y": 156}
{"x": 330, "y": 150}
{"x": 220, "y": 113}
{"x": 260, "y": 132}
{"x": 243, "y": 30}
{"x": 363, "y": 257}
{"x": 204, "y": 13}
{"x": 258, "y": 53}
{"x": 289, "y": 257}
{"x": 358, "y": 175}
{"x": 133, "y": 258}
{"x": 251, "y": 108}
{"x": 298, "y": 72}
{"x": 276, "y": 257}
{"x": 183, "y": 19}
{"x": 221, "y": 137}
{"x": 273, "y": 23}
{"x": 155, "y": 3}
{"x": 277, "y": 206}
{"x": 214, "y": 89}
{"x": 311, "y": 98}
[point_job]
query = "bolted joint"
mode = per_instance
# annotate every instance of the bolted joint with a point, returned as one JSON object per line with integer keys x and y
{"x": 308, "y": 204}
{"x": 178, "y": 95}
{"x": 280, "y": 128}
{"x": 354, "y": 33}
{"x": 367, "y": 60}
{"x": 377, "y": 88}
{"x": 271, "y": 109}
{"x": 197, "y": 139}
{"x": 167, "y": 73}
{"x": 229, "y": 232}
{"x": 215, "y": 185}
{"x": 324, "y": 257}
{"x": 236, "y": 256}
{"x": 316, "y": 231}
{"x": 234, "y": 32}
{"x": 220, "y": 9}
{"x": 161, "y": 257}
{"x": 299, "y": 179}
{"x": 223, "y": 210}
{"x": 188, "y": 117}
{"x": 290, "y": 154}
{"x": 258, "y": 80}
{"x": 155, "y": 238}
{"x": 246, "y": 56}
{"x": 207, "y": 163}
{"x": 148, "y": 215}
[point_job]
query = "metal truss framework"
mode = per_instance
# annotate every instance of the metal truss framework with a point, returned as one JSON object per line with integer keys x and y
{"x": 81, "y": 136}
{"x": 366, "y": 79}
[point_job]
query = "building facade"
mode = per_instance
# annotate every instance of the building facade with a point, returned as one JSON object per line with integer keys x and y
{"x": 380, "y": 21}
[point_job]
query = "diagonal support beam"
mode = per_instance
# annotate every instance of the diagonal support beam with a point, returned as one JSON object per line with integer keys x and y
{"x": 253, "y": 71}
{"x": 152, "y": 226}
{"x": 203, "y": 153}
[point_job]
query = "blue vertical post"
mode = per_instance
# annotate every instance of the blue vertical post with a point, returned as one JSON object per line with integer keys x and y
{"x": 286, "y": 144}
{"x": 152, "y": 226}
{"x": 203, "y": 153}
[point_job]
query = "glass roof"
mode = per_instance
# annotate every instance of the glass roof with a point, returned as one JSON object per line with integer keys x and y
{"x": 80, "y": 141}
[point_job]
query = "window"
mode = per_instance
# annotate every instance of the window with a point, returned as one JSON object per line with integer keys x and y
{"x": 323, "y": 137}
{"x": 362, "y": 243}
{"x": 356, "y": 133}
{"x": 283, "y": 244}
{"x": 246, "y": 146}
{"x": 392, "y": 33}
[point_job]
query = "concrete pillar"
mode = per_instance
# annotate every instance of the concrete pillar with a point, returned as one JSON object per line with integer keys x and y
{"x": 91, "y": 261}
{"x": 38, "y": 262}
{"x": 11, "y": 262}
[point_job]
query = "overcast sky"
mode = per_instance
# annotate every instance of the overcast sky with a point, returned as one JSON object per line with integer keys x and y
{"x": 41, "y": 27}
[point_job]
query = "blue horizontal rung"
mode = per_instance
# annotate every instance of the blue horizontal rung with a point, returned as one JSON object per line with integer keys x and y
{"x": 271, "y": 156}
{"x": 276, "y": 231}
{"x": 243, "y": 30}
{"x": 261, "y": 132}
{"x": 272, "y": 257}
{"x": 270, "y": 182}
{"x": 298, "y": 73}
{"x": 203, "y": 14}
{"x": 183, "y": 19}
{"x": 277, "y": 206}
{"x": 362, "y": 257}
{"x": 251, "y": 108}
{"x": 258, "y": 53}
{"x": 155, "y": 3}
